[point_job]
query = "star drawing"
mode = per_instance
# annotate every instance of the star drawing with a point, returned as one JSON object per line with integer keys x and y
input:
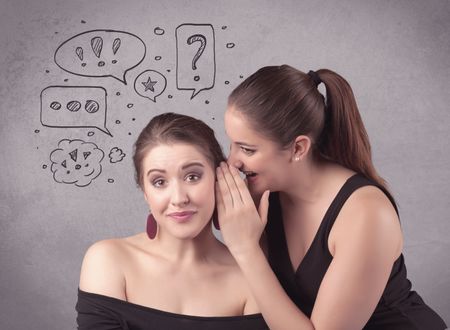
{"x": 149, "y": 84}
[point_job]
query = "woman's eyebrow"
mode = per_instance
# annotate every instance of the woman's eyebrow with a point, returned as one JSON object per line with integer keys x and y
{"x": 155, "y": 170}
{"x": 192, "y": 165}
{"x": 245, "y": 144}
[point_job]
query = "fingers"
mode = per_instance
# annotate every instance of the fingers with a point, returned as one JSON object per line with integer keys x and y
{"x": 224, "y": 189}
{"x": 230, "y": 180}
{"x": 242, "y": 186}
{"x": 263, "y": 208}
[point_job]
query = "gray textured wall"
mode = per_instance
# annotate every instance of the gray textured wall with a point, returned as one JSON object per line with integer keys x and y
{"x": 394, "y": 53}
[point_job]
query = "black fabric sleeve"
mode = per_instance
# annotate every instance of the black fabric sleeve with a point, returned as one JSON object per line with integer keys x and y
{"x": 97, "y": 314}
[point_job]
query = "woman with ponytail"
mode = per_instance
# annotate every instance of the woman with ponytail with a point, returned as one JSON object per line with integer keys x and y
{"x": 327, "y": 252}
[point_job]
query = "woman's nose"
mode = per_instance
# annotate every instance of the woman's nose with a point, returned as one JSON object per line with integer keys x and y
{"x": 233, "y": 158}
{"x": 179, "y": 195}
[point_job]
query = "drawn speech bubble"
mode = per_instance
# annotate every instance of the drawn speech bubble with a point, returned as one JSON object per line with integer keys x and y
{"x": 196, "y": 60}
{"x": 74, "y": 106}
{"x": 101, "y": 53}
{"x": 150, "y": 84}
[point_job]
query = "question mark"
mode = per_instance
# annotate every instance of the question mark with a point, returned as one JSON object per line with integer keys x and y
{"x": 190, "y": 41}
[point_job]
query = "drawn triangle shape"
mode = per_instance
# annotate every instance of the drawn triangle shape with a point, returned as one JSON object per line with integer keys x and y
{"x": 64, "y": 164}
{"x": 86, "y": 154}
{"x": 73, "y": 155}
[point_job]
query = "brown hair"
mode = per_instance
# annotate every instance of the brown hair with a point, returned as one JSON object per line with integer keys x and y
{"x": 172, "y": 127}
{"x": 283, "y": 103}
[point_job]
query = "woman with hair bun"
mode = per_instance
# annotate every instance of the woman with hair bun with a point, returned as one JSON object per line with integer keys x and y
{"x": 324, "y": 248}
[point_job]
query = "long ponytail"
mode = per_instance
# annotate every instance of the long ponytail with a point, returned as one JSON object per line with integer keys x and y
{"x": 344, "y": 139}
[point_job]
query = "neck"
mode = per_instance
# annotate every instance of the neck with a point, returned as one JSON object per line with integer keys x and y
{"x": 182, "y": 252}
{"x": 307, "y": 184}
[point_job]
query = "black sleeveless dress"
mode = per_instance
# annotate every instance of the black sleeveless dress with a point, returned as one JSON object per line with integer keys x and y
{"x": 99, "y": 312}
{"x": 398, "y": 308}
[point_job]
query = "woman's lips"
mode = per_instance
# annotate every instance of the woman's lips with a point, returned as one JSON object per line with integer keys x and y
{"x": 182, "y": 216}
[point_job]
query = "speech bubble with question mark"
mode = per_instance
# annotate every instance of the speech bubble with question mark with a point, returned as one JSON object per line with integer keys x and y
{"x": 196, "y": 58}
{"x": 101, "y": 53}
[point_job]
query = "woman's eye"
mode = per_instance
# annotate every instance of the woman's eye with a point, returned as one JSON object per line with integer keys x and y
{"x": 192, "y": 177}
{"x": 247, "y": 150}
{"x": 158, "y": 183}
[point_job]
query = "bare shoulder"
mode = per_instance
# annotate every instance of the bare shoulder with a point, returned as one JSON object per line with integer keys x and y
{"x": 234, "y": 280}
{"x": 102, "y": 268}
{"x": 368, "y": 218}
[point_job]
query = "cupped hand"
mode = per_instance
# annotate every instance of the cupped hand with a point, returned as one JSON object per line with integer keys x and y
{"x": 241, "y": 224}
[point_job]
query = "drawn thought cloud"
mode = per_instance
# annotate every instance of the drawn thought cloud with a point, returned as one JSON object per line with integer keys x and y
{"x": 76, "y": 162}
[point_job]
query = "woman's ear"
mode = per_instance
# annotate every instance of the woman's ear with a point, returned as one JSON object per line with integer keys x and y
{"x": 300, "y": 147}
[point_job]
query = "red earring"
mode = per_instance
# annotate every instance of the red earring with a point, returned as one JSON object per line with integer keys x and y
{"x": 215, "y": 220}
{"x": 152, "y": 226}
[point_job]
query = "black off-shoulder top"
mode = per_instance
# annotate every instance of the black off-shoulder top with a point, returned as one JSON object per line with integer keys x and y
{"x": 101, "y": 312}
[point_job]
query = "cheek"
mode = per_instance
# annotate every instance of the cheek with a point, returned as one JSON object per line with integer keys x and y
{"x": 156, "y": 200}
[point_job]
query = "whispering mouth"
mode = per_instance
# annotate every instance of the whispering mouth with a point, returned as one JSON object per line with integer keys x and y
{"x": 249, "y": 174}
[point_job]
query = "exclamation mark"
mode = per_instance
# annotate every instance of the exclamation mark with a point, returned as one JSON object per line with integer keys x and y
{"x": 79, "y": 52}
{"x": 97, "y": 45}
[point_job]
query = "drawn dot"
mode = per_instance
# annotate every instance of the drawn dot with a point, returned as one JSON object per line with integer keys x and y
{"x": 230, "y": 45}
{"x": 90, "y": 133}
{"x": 47, "y": 71}
{"x": 36, "y": 131}
{"x": 77, "y": 167}
{"x": 87, "y": 165}
{"x": 44, "y": 166}
{"x": 226, "y": 82}
{"x": 133, "y": 119}
{"x": 110, "y": 180}
{"x": 73, "y": 106}
{"x": 213, "y": 118}
{"x": 117, "y": 122}
{"x": 66, "y": 80}
{"x": 83, "y": 21}
{"x": 118, "y": 93}
{"x": 169, "y": 96}
{"x": 157, "y": 58}
{"x": 55, "y": 105}
{"x": 91, "y": 106}
{"x": 129, "y": 133}
{"x": 101, "y": 63}
{"x": 224, "y": 27}
{"x": 68, "y": 172}
{"x": 207, "y": 102}
{"x": 197, "y": 78}
{"x": 37, "y": 148}
{"x": 168, "y": 70}
{"x": 130, "y": 105}
{"x": 56, "y": 32}
{"x": 158, "y": 31}
{"x": 83, "y": 64}
{"x": 241, "y": 76}
{"x": 114, "y": 61}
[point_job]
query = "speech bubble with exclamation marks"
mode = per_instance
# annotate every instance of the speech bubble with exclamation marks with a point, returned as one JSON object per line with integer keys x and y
{"x": 196, "y": 59}
{"x": 101, "y": 53}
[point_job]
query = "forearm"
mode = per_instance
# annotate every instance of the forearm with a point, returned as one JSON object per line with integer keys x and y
{"x": 278, "y": 309}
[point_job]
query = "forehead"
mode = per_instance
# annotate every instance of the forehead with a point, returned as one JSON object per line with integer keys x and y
{"x": 239, "y": 130}
{"x": 174, "y": 155}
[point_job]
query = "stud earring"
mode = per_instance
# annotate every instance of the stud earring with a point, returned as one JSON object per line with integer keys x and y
{"x": 297, "y": 158}
{"x": 152, "y": 226}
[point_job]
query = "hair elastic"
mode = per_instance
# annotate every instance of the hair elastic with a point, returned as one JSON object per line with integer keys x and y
{"x": 315, "y": 77}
